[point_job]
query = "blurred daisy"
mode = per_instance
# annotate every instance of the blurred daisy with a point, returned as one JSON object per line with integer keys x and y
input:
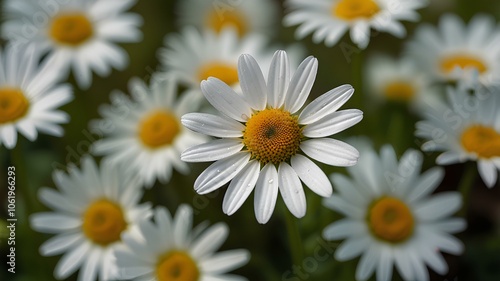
{"x": 93, "y": 208}
{"x": 171, "y": 250}
{"x": 145, "y": 132}
{"x": 78, "y": 33}
{"x": 391, "y": 220}
{"x": 466, "y": 128}
{"x": 246, "y": 16}
{"x": 453, "y": 51}
{"x": 263, "y": 139}
{"x": 330, "y": 19}
{"x": 398, "y": 81}
{"x": 29, "y": 96}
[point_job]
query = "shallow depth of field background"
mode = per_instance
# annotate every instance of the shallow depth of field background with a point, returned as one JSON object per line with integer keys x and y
{"x": 267, "y": 243}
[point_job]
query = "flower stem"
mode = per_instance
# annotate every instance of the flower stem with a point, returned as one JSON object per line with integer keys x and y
{"x": 294, "y": 238}
{"x": 465, "y": 186}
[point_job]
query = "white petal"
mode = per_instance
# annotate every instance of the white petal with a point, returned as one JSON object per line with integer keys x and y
{"x": 240, "y": 187}
{"x": 60, "y": 243}
{"x": 439, "y": 206}
{"x": 301, "y": 84}
{"x": 488, "y": 172}
{"x": 331, "y": 152}
{"x": 291, "y": 190}
{"x": 333, "y": 123}
{"x": 210, "y": 241}
{"x": 344, "y": 228}
{"x": 90, "y": 267}
{"x": 212, "y": 151}
{"x": 70, "y": 262}
{"x": 225, "y": 261}
{"x": 54, "y": 222}
{"x": 221, "y": 172}
{"x": 427, "y": 183}
{"x": 384, "y": 270}
{"x": 311, "y": 175}
{"x": 352, "y": 248}
{"x": 212, "y": 125}
{"x": 225, "y": 99}
{"x": 367, "y": 263}
{"x": 266, "y": 193}
{"x": 326, "y": 104}
{"x": 252, "y": 82}
{"x": 278, "y": 79}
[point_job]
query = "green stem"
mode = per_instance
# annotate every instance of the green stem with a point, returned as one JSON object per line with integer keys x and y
{"x": 294, "y": 238}
{"x": 465, "y": 186}
{"x": 22, "y": 181}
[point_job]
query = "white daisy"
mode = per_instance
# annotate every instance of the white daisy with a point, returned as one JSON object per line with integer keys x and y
{"x": 246, "y": 16}
{"x": 93, "y": 208}
{"x": 76, "y": 33}
{"x": 29, "y": 96}
{"x": 399, "y": 81}
{"x": 171, "y": 250}
{"x": 145, "y": 131}
{"x": 263, "y": 139}
{"x": 391, "y": 220}
{"x": 453, "y": 51}
{"x": 466, "y": 128}
{"x": 330, "y": 19}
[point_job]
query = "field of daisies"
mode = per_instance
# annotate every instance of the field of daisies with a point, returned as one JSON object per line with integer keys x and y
{"x": 259, "y": 140}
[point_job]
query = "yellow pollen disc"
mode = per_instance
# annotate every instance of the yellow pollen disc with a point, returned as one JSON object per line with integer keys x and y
{"x": 103, "y": 222}
{"x": 462, "y": 61}
{"x": 272, "y": 135}
{"x": 159, "y": 129}
{"x": 13, "y": 105}
{"x": 225, "y": 72}
{"x": 71, "y": 29}
{"x": 355, "y": 9}
{"x": 399, "y": 91}
{"x": 391, "y": 220}
{"x": 177, "y": 266}
{"x": 217, "y": 20}
{"x": 481, "y": 140}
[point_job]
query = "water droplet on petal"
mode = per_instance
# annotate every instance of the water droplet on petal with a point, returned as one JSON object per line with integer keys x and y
{"x": 270, "y": 181}
{"x": 244, "y": 117}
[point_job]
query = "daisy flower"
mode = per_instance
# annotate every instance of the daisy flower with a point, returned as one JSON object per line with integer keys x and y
{"x": 399, "y": 81}
{"x": 29, "y": 96}
{"x": 145, "y": 131}
{"x": 391, "y": 218}
{"x": 262, "y": 139}
{"x": 92, "y": 209}
{"x": 76, "y": 33}
{"x": 328, "y": 20}
{"x": 246, "y": 16}
{"x": 454, "y": 51}
{"x": 170, "y": 250}
{"x": 466, "y": 128}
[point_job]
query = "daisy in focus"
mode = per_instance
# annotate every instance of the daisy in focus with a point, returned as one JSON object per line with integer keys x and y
{"x": 145, "y": 131}
{"x": 399, "y": 81}
{"x": 92, "y": 209}
{"x": 79, "y": 34}
{"x": 329, "y": 20}
{"x": 262, "y": 141}
{"x": 391, "y": 218}
{"x": 246, "y": 16}
{"x": 454, "y": 51}
{"x": 170, "y": 250}
{"x": 466, "y": 128}
{"x": 29, "y": 96}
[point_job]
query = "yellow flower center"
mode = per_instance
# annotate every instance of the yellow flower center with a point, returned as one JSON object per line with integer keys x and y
{"x": 71, "y": 29}
{"x": 225, "y": 72}
{"x": 159, "y": 129}
{"x": 462, "y": 61}
{"x": 13, "y": 105}
{"x": 399, "y": 91}
{"x": 482, "y": 140}
{"x": 272, "y": 135}
{"x": 217, "y": 21}
{"x": 355, "y": 9}
{"x": 177, "y": 266}
{"x": 103, "y": 222}
{"x": 391, "y": 220}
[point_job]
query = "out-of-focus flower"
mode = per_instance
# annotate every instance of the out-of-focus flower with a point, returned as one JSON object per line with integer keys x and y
{"x": 329, "y": 20}
{"x": 262, "y": 139}
{"x": 246, "y": 16}
{"x": 465, "y": 128}
{"x": 30, "y": 96}
{"x": 453, "y": 51}
{"x": 391, "y": 220}
{"x": 399, "y": 81}
{"x": 144, "y": 134}
{"x": 171, "y": 250}
{"x": 93, "y": 208}
{"x": 77, "y": 34}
